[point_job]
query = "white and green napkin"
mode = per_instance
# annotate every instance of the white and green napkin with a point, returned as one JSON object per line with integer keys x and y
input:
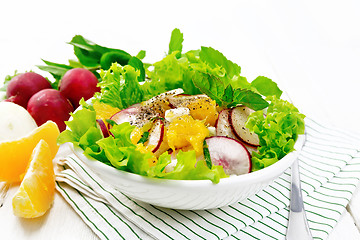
{"x": 330, "y": 172}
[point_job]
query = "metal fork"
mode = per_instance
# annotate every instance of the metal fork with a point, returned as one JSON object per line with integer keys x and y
{"x": 298, "y": 227}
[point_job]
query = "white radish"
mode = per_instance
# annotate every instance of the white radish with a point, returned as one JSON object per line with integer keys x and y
{"x": 222, "y": 125}
{"x": 131, "y": 115}
{"x": 237, "y": 119}
{"x": 229, "y": 153}
{"x": 15, "y": 122}
{"x": 156, "y": 135}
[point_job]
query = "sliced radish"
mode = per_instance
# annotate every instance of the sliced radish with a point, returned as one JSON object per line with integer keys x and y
{"x": 15, "y": 121}
{"x": 131, "y": 115}
{"x": 229, "y": 153}
{"x": 163, "y": 96}
{"x": 222, "y": 125}
{"x": 156, "y": 134}
{"x": 237, "y": 119}
{"x": 251, "y": 148}
{"x": 160, "y": 103}
{"x": 102, "y": 126}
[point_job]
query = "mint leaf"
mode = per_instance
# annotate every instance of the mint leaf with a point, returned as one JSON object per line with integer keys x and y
{"x": 266, "y": 87}
{"x": 214, "y": 87}
{"x": 249, "y": 99}
{"x": 176, "y": 41}
{"x": 211, "y": 86}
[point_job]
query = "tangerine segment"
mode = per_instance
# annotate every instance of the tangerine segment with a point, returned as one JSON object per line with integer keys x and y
{"x": 104, "y": 111}
{"x": 204, "y": 109}
{"x": 37, "y": 190}
{"x": 15, "y": 154}
{"x": 185, "y": 131}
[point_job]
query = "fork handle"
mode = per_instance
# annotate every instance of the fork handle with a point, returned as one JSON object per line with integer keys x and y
{"x": 298, "y": 227}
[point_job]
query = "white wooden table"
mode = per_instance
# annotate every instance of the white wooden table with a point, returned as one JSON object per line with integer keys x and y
{"x": 312, "y": 49}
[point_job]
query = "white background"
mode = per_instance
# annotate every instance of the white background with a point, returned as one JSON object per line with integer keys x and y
{"x": 311, "y": 48}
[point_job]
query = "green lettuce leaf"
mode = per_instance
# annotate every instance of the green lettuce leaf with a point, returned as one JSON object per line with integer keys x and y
{"x": 188, "y": 168}
{"x": 176, "y": 41}
{"x": 120, "y": 86}
{"x": 277, "y": 132}
{"x": 266, "y": 87}
{"x": 214, "y": 59}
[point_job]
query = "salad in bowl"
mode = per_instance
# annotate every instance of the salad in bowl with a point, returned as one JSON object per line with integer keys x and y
{"x": 188, "y": 126}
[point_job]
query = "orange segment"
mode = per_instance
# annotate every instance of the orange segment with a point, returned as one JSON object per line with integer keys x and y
{"x": 185, "y": 131}
{"x": 104, "y": 111}
{"x": 15, "y": 154}
{"x": 36, "y": 192}
{"x": 204, "y": 109}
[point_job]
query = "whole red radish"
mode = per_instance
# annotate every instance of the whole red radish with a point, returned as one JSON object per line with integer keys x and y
{"x": 78, "y": 83}
{"x": 50, "y": 104}
{"x": 23, "y": 86}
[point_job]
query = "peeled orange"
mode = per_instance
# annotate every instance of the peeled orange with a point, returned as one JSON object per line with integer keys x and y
{"x": 15, "y": 154}
{"x": 185, "y": 131}
{"x": 104, "y": 111}
{"x": 204, "y": 109}
{"x": 36, "y": 192}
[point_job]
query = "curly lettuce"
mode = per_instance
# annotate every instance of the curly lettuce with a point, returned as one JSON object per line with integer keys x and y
{"x": 119, "y": 152}
{"x": 277, "y": 131}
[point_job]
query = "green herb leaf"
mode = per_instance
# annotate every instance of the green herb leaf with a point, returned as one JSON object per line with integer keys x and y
{"x": 266, "y": 87}
{"x": 120, "y": 87}
{"x": 108, "y": 58}
{"x": 141, "y": 55}
{"x": 249, "y": 99}
{"x": 207, "y": 155}
{"x": 215, "y": 88}
{"x": 7, "y": 80}
{"x": 144, "y": 138}
{"x": 57, "y": 70}
{"x": 89, "y": 53}
{"x": 138, "y": 65}
{"x": 215, "y": 59}
{"x": 176, "y": 41}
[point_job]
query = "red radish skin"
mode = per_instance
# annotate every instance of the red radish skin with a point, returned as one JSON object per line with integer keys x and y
{"x": 102, "y": 126}
{"x": 156, "y": 134}
{"x": 237, "y": 119}
{"x": 78, "y": 83}
{"x": 23, "y": 86}
{"x": 229, "y": 153}
{"x": 50, "y": 104}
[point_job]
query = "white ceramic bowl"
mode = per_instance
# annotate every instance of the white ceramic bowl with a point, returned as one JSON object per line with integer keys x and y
{"x": 190, "y": 194}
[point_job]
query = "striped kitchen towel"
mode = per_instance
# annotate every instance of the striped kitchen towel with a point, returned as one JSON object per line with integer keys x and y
{"x": 330, "y": 172}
